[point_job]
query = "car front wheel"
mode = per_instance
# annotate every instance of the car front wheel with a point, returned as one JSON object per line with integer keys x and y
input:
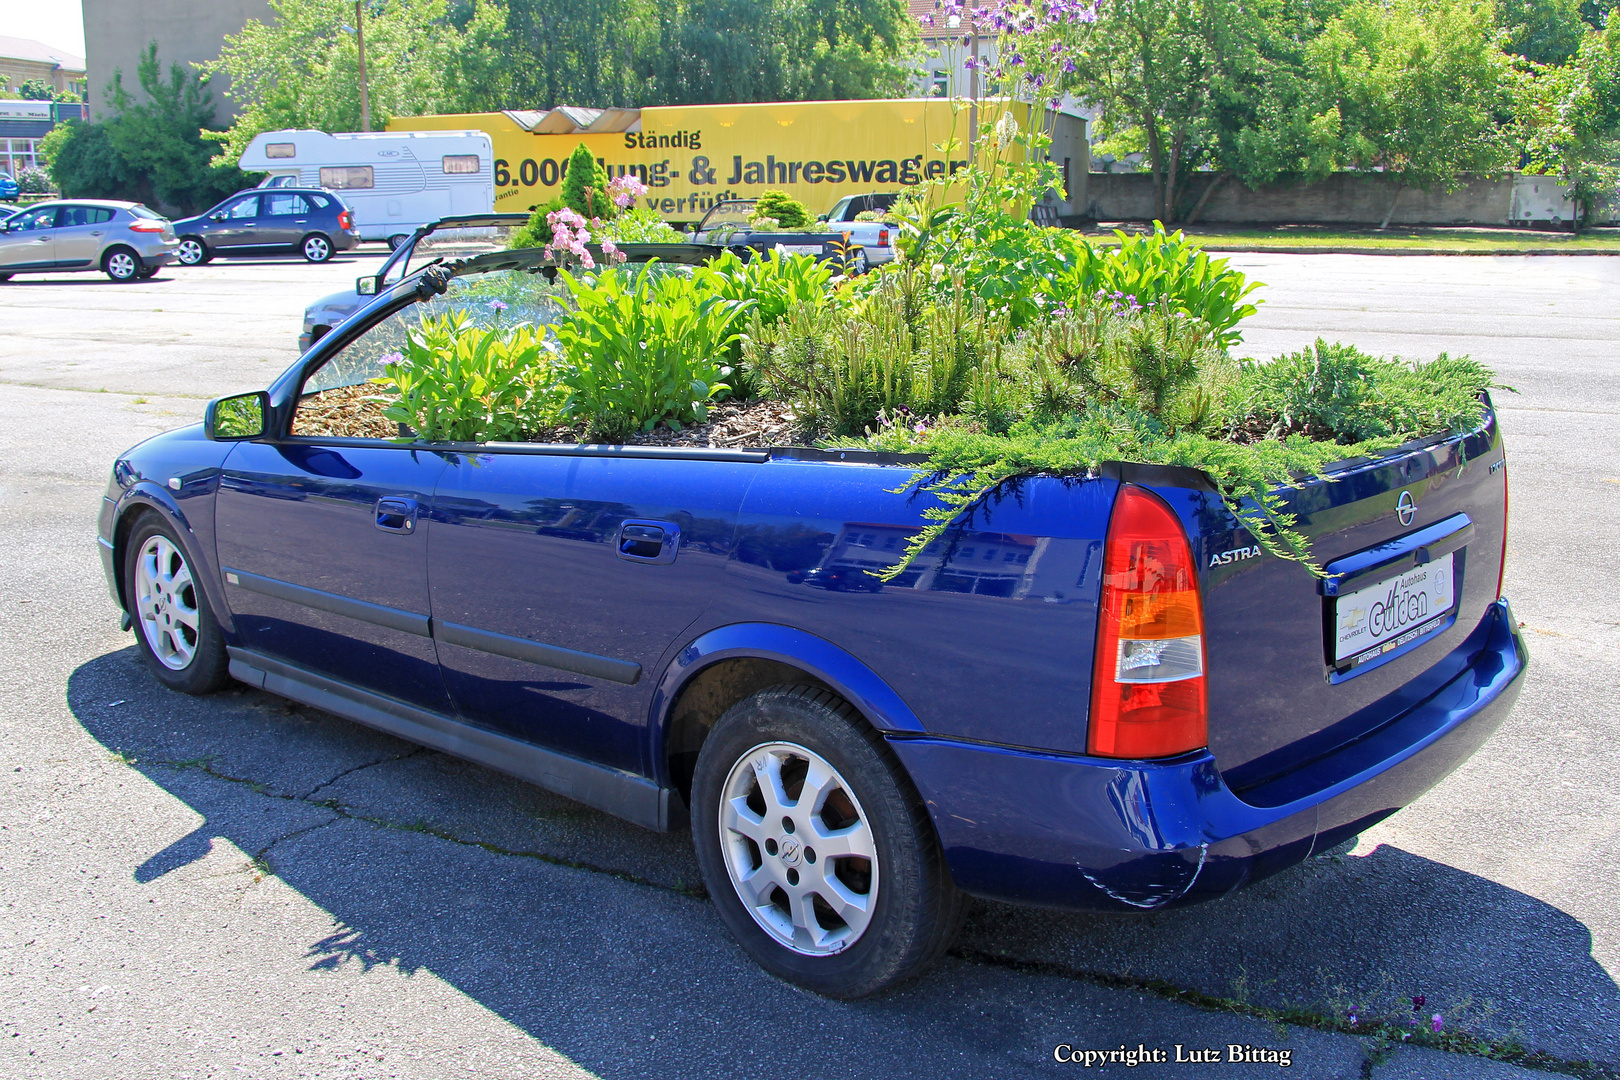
{"x": 817, "y": 852}
{"x": 122, "y": 264}
{"x": 179, "y": 637}
{"x": 317, "y": 248}
{"x": 192, "y": 251}
{"x": 396, "y": 240}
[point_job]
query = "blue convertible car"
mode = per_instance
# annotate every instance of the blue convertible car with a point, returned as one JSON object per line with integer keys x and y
{"x": 1093, "y": 693}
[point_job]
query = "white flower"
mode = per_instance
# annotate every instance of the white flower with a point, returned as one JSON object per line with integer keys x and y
{"x": 1006, "y": 128}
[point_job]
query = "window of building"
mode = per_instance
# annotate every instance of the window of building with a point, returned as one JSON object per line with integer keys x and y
{"x": 280, "y": 150}
{"x": 348, "y": 177}
{"x": 941, "y": 86}
{"x": 460, "y": 163}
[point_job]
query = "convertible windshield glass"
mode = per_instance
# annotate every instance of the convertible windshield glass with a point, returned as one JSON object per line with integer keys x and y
{"x": 342, "y": 398}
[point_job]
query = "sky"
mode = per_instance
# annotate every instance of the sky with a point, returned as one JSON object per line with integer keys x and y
{"x": 58, "y": 23}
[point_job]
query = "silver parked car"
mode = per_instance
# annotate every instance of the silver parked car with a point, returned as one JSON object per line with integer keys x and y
{"x": 124, "y": 240}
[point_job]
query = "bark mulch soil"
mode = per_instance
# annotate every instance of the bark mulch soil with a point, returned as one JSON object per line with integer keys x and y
{"x": 356, "y": 412}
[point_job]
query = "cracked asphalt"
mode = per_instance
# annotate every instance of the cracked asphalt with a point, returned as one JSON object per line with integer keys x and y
{"x": 238, "y": 886}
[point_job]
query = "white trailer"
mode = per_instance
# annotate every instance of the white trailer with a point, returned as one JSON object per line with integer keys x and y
{"x": 394, "y": 181}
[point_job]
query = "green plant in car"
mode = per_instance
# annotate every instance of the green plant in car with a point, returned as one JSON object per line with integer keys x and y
{"x": 643, "y": 350}
{"x": 455, "y": 381}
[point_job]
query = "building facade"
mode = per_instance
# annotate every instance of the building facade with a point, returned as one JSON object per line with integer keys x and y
{"x": 26, "y": 60}
{"x": 117, "y": 32}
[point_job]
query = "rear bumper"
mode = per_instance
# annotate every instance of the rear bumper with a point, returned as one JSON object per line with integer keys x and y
{"x": 1083, "y": 833}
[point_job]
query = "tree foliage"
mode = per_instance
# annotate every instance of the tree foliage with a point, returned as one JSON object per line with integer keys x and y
{"x": 152, "y": 149}
{"x": 302, "y": 69}
{"x": 1570, "y": 117}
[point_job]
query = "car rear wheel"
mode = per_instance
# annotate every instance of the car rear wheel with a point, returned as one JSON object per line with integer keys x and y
{"x": 858, "y": 263}
{"x": 396, "y": 240}
{"x": 816, "y": 850}
{"x": 192, "y": 251}
{"x": 179, "y": 637}
{"x": 121, "y": 264}
{"x": 317, "y": 248}
{"x": 4, "y": 278}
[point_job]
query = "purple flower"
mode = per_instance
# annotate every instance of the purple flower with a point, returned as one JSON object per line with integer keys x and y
{"x": 497, "y": 305}
{"x": 1417, "y": 1002}
{"x": 392, "y": 358}
{"x": 1437, "y": 1023}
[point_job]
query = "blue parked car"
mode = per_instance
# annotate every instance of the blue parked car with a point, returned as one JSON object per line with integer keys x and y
{"x": 8, "y": 186}
{"x": 1099, "y": 693}
{"x": 312, "y": 222}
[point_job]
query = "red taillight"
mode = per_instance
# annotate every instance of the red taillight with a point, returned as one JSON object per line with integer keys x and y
{"x": 1501, "y": 574}
{"x": 146, "y": 226}
{"x": 883, "y": 238}
{"x": 345, "y": 220}
{"x": 1148, "y": 694}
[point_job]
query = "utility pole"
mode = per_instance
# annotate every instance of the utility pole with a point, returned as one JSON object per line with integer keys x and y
{"x": 360, "y": 38}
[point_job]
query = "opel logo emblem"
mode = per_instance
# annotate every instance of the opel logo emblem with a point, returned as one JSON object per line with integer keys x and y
{"x": 790, "y": 850}
{"x": 1406, "y": 508}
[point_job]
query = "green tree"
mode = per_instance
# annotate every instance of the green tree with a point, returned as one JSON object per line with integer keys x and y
{"x": 302, "y": 69}
{"x": 1570, "y": 116}
{"x": 36, "y": 90}
{"x": 153, "y": 149}
{"x": 1421, "y": 89}
{"x": 1545, "y": 31}
{"x": 584, "y": 186}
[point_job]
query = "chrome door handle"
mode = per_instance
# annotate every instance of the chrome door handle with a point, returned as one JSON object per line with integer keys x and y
{"x": 96, "y": 233}
{"x": 396, "y": 514}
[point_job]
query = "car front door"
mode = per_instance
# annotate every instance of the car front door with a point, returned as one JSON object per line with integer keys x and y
{"x": 322, "y": 536}
{"x": 29, "y": 242}
{"x": 284, "y": 219}
{"x": 81, "y": 231}
{"x": 233, "y": 225}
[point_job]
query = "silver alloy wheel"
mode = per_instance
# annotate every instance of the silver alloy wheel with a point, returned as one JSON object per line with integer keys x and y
{"x": 191, "y": 252}
{"x": 121, "y": 265}
{"x": 166, "y": 602}
{"x": 799, "y": 849}
{"x": 317, "y": 249}
{"x": 862, "y": 264}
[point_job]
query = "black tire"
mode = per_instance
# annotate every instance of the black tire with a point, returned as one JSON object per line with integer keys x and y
{"x": 207, "y": 668}
{"x": 147, "y": 272}
{"x": 122, "y": 264}
{"x": 396, "y": 240}
{"x": 193, "y": 251}
{"x": 917, "y": 910}
{"x": 316, "y": 248}
{"x": 4, "y": 278}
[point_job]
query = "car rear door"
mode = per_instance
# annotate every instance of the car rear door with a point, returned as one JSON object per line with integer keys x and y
{"x": 283, "y": 218}
{"x": 81, "y": 232}
{"x": 29, "y": 242}
{"x": 562, "y": 581}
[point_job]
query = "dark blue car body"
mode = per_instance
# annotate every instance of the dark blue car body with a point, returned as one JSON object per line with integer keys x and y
{"x": 492, "y": 602}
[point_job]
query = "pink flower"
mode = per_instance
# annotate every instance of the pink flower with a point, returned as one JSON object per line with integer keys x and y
{"x": 626, "y": 189}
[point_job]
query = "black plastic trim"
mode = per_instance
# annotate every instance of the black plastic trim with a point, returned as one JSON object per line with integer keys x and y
{"x": 395, "y": 619}
{"x": 634, "y": 798}
{"x": 535, "y": 652}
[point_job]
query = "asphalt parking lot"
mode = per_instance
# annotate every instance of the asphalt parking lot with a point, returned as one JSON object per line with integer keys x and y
{"x": 237, "y": 886}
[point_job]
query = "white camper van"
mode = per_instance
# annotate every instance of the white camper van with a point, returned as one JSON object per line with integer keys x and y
{"x": 394, "y": 181}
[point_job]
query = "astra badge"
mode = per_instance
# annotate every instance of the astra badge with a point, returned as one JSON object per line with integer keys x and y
{"x": 1223, "y": 558}
{"x": 1406, "y": 508}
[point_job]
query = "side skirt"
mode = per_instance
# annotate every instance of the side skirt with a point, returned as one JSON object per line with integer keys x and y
{"x": 622, "y": 794}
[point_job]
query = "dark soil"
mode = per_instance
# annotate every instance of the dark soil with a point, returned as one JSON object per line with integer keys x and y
{"x": 356, "y": 412}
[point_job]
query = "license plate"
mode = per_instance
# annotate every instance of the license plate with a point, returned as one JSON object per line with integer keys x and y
{"x": 799, "y": 249}
{"x": 1381, "y": 618}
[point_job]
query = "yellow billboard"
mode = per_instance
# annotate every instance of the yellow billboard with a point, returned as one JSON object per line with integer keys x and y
{"x": 692, "y": 156}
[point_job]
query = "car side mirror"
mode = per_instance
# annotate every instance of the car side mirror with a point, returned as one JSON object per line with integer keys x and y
{"x": 216, "y": 217}
{"x": 233, "y": 419}
{"x": 821, "y": 217}
{"x": 366, "y": 286}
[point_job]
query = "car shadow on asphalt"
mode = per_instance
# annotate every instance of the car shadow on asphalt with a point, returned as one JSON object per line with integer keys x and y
{"x": 578, "y": 927}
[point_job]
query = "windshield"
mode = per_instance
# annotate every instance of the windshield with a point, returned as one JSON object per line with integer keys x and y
{"x": 450, "y": 244}
{"x": 728, "y": 215}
